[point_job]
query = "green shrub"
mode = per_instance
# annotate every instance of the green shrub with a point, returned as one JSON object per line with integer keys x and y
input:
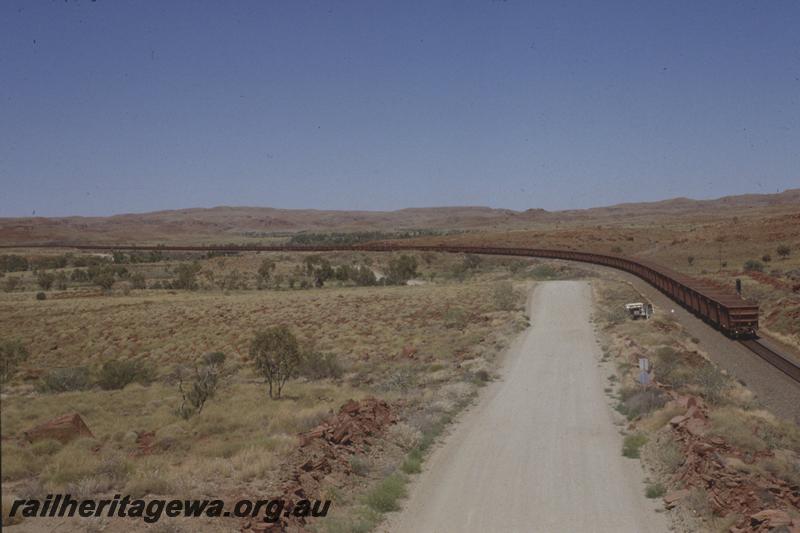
{"x": 504, "y": 297}
{"x": 137, "y": 281}
{"x": 384, "y": 497}
{"x": 543, "y": 272}
{"x": 12, "y": 353}
{"x": 413, "y": 462}
{"x": 632, "y": 444}
{"x": 41, "y": 296}
{"x": 65, "y": 379}
{"x": 637, "y": 402}
{"x": 117, "y": 373}
{"x": 655, "y": 490}
{"x": 712, "y": 382}
{"x": 753, "y": 265}
{"x": 359, "y": 465}
{"x": 455, "y": 317}
{"x": 317, "y": 365}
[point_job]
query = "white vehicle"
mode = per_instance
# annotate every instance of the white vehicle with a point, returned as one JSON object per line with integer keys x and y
{"x": 639, "y": 310}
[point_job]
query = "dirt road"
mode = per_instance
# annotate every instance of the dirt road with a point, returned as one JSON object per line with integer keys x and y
{"x": 540, "y": 452}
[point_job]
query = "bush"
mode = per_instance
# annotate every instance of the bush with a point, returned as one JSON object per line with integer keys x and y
{"x": 137, "y": 281}
{"x": 11, "y": 283}
{"x": 632, "y": 444}
{"x": 401, "y": 269}
{"x": 783, "y": 251}
{"x": 637, "y": 402}
{"x": 752, "y": 265}
{"x": 455, "y": 317}
{"x": 413, "y": 462}
{"x": 655, "y": 490}
{"x": 186, "y": 276}
{"x": 203, "y": 385}
{"x": 766, "y": 258}
{"x": 45, "y": 280}
{"x": 712, "y": 382}
{"x": 504, "y": 297}
{"x": 359, "y": 465}
{"x": 276, "y": 356}
{"x": 317, "y": 365}
{"x": 118, "y": 373}
{"x": 41, "y": 296}
{"x": 12, "y": 353}
{"x": 104, "y": 280}
{"x": 384, "y": 497}
{"x": 65, "y": 379}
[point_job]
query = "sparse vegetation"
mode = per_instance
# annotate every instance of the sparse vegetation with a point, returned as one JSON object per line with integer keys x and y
{"x": 12, "y": 353}
{"x": 202, "y": 386}
{"x": 655, "y": 490}
{"x": 117, "y": 373}
{"x": 632, "y": 444}
{"x": 504, "y": 297}
{"x": 65, "y": 379}
{"x": 385, "y": 496}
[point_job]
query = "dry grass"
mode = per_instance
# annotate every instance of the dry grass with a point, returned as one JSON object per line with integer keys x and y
{"x": 241, "y": 439}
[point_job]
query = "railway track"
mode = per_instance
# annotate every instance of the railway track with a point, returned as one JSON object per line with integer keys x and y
{"x": 782, "y": 363}
{"x": 711, "y": 305}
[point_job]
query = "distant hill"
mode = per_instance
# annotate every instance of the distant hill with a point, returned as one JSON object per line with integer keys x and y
{"x": 238, "y": 224}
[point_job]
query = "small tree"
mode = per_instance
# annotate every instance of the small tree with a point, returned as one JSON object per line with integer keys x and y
{"x": 783, "y": 251}
{"x": 276, "y": 355}
{"x": 203, "y": 385}
{"x": 12, "y": 353}
{"x": 104, "y": 280}
{"x": 61, "y": 281}
{"x": 11, "y": 284}
{"x": 45, "y": 280}
{"x": 186, "y": 276}
{"x": 401, "y": 269}
{"x": 265, "y": 272}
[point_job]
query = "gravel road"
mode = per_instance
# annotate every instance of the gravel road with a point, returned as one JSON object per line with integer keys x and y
{"x": 540, "y": 451}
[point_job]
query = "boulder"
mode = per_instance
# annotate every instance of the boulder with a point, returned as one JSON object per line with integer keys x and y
{"x": 671, "y": 499}
{"x": 771, "y": 518}
{"x": 63, "y": 428}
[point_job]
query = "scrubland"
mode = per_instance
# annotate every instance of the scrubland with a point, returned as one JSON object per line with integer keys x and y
{"x": 711, "y": 450}
{"x": 425, "y": 348}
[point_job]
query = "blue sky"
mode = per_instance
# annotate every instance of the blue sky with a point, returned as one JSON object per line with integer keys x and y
{"x": 113, "y": 106}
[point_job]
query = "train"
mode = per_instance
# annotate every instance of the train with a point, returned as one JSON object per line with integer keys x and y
{"x": 726, "y": 311}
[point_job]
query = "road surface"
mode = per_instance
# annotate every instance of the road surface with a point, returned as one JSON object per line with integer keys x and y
{"x": 540, "y": 451}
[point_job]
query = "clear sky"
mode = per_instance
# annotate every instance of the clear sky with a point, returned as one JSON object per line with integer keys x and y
{"x": 114, "y": 106}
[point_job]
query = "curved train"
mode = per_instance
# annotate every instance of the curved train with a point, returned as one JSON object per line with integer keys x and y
{"x": 726, "y": 311}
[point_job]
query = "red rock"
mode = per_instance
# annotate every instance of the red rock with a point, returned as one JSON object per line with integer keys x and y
{"x": 771, "y": 518}
{"x": 672, "y": 498}
{"x": 63, "y": 428}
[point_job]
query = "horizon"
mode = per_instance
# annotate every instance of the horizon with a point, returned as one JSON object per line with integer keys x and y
{"x": 117, "y": 108}
{"x": 429, "y": 207}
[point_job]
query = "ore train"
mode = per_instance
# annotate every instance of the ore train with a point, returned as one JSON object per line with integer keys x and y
{"x": 726, "y": 311}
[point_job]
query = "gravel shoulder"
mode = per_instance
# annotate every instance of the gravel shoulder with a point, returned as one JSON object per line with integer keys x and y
{"x": 540, "y": 451}
{"x": 775, "y": 390}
